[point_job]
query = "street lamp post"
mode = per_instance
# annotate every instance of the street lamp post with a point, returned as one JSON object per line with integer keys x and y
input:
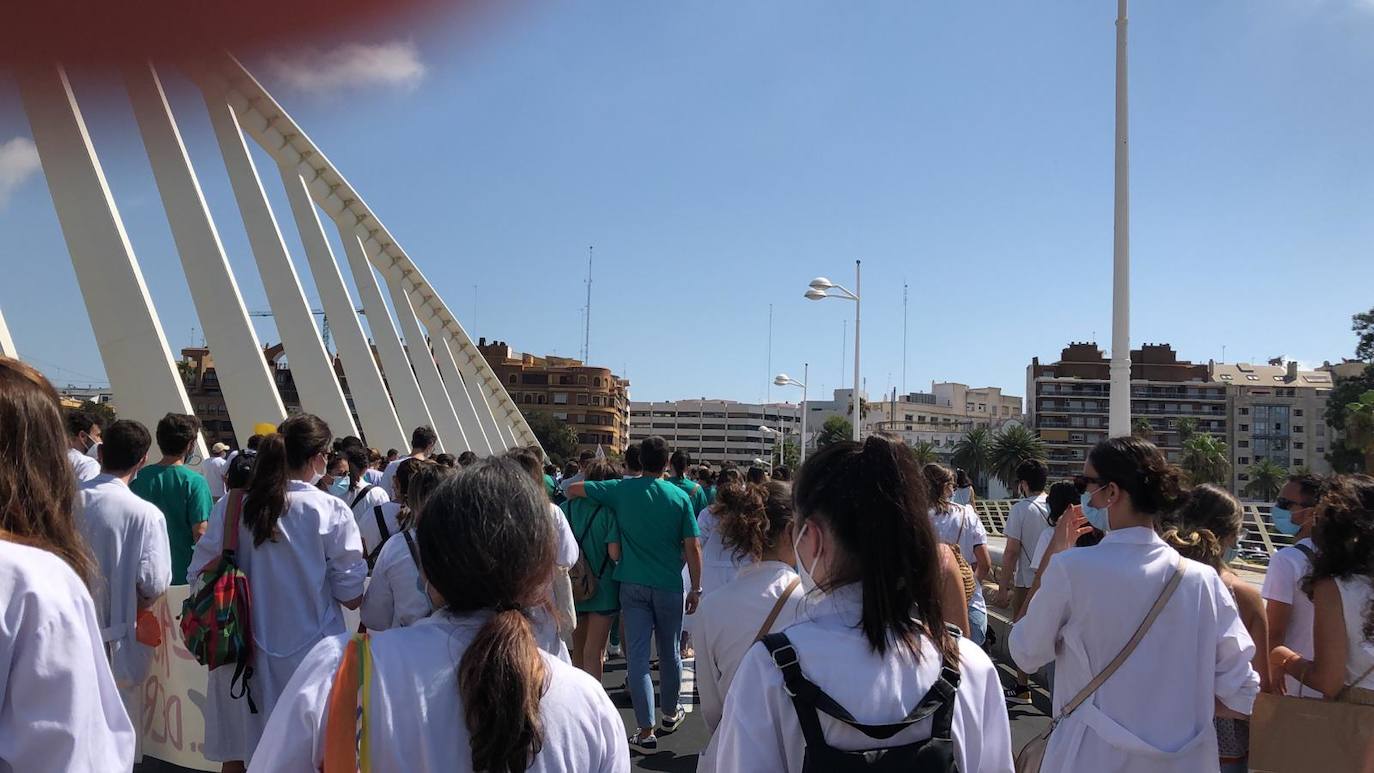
{"x": 782, "y": 379}
{"x": 822, "y": 288}
{"x": 775, "y": 434}
{"x": 1119, "y": 400}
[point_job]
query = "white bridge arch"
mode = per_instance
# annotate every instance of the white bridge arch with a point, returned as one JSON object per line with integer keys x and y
{"x": 426, "y": 369}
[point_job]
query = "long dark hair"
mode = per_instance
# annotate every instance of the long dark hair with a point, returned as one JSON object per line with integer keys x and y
{"x": 1344, "y": 536}
{"x": 753, "y": 517}
{"x": 356, "y": 456}
{"x": 1139, "y": 468}
{"x": 1060, "y": 497}
{"x": 938, "y": 479}
{"x": 37, "y": 486}
{"x": 487, "y": 545}
{"x": 872, "y": 498}
{"x": 296, "y": 441}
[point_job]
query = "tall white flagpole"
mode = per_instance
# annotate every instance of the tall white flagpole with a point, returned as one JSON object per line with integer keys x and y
{"x": 1119, "y": 423}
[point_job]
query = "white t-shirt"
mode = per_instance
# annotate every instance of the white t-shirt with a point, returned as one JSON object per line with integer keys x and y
{"x": 388, "y": 483}
{"x": 1283, "y": 583}
{"x": 1038, "y": 556}
{"x": 215, "y": 467}
{"x": 367, "y": 521}
{"x": 59, "y": 709}
{"x": 961, "y": 526}
{"x": 1355, "y": 595}
{"x": 1028, "y": 519}
{"x": 83, "y": 467}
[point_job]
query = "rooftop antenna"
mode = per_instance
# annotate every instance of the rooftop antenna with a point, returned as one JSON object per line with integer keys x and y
{"x": 768, "y": 393}
{"x": 904, "y": 332}
{"x": 844, "y": 341}
{"x": 587, "y": 312}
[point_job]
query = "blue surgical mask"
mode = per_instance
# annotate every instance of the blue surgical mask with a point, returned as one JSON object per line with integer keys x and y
{"x": 1283, "y": 520}
{"x": 1232, "y": 553}
{"x": 1097, "y": 516}
{"x": 339, "y": 487}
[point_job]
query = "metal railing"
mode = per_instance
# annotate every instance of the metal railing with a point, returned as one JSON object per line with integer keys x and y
{"x": 1260, "y": 543}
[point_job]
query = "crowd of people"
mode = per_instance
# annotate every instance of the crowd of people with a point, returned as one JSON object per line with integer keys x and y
{"x": 837, "y": 622}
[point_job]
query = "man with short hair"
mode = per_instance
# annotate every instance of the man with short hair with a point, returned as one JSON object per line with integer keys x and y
{"x": 83, "y": 435}
{"x": 1029, "y": 518}
{"x": 422, "y": 442}
{"x": 656, "y": 528}
{"x": 180, "y": 492}
{"x": 215, "y": 468}
{"x": 467, "y": 459}
{"x": 127, "y": 536}
{"x": 633, "y": 469}
{"x": 1288, "y": 610}
{"x": 583, "y": 459}
{"x": 679, "y": 462}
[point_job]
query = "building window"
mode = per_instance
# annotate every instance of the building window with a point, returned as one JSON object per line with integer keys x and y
{"x": 1243, "y": 443}
{"x": 1297, "y": 461}
{"x": 1297, "y": 428}
{"x": 582, "y": 380}
{"x": 512, "y": 378}
{"x": 1297, "y": 445}
{"x": 1242, "y": 460}
{"x": 560, "y": 398}
{"x": 596, "y": 382}
{"x": 581, "y": 399}
{"x": 1245, "y": 428}
{"x": 1297, "y": 412}
{"x": 1244, "y": 411}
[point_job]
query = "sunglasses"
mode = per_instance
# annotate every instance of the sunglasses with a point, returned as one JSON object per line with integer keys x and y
{"x": 1289, "y": 505}
{"x": 1082, "y": 482}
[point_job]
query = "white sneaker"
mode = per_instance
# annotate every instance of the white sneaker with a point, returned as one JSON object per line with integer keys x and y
{"x": 614, "y": 651}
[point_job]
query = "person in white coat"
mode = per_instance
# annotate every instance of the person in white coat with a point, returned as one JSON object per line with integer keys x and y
{"x": 467, "y": 688}
{"x": 754, "y": 522}
{"x": 301, "y": 551}
{"x": 959, "y": 525}
{"x": 59, "y": 708}
{"x": 83, "y": 438}
{"x": 127, "y": 535}
{"x": 719, "y": 563}
{"x": 873, "y": 643}
{"x": 1342, "y": 596}
{"x": 554, "y": 631}
{"x": 396, "y": 596}
{"x": 374, "y": 510}
{"x": 1154, "y": 714}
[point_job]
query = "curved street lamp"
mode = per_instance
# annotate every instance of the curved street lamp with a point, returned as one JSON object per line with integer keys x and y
{"x": 822, "y": 288}
{"x": 782, "y": 379}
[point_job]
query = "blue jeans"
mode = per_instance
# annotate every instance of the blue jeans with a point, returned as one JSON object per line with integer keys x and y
{"x": 648, "y": 613}
{"x": 978, "y": 625}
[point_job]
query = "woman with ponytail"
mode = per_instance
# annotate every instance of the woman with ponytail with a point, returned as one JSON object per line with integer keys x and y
{"x": 872, "y": 643}
{"x": 719, "y": 562}
{"x": 467, "y": 688}
{"x": 303, "y": 556}
{"x": 1192, "y": 656}
{"x": 59, "y": 706}
{"x": 1208, "y": 528}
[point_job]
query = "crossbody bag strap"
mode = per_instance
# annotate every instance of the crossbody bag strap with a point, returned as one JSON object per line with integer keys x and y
{"x": 381, "y": 526}
{"x": 777, "y": 609}
{"x": 1341, "y": 695}
{"x": 1126, "y": 651}
{"x": 360, "y": 496}
{"x": 232, "y": 512}
{"x": 588, "y": 528}
{"x": 1305, "y": 550}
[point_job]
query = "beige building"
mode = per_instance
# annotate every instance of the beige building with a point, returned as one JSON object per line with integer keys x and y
{"x": 717, "y": 431}
{"x": 943, "y": 415}
{"x": 1277, "y": 413}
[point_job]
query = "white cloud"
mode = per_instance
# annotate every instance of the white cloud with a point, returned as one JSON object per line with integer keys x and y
{"x": 350, "y": 66}
{"x": 18, "y": 162}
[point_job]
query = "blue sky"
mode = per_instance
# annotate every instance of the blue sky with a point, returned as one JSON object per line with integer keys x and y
{"x": 719, "y": 155}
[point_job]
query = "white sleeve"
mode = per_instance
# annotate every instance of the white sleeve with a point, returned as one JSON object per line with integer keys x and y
{"x": 343, "y": 550}
{"x": 1280, "y": 580}
{"x": 1237, "y": 684}
{"x": 980, "y": 535}
{"x": 208, "y": 547}
{"x": 293, "y": 739}
{"x": 59, "y": 708}
{"x": 567, "y": 541}
{"x": 1041, "y": 545}
{"x": 994, "y": 752}
{"x": 749, "y": 736}
{"x": 1034, "y": 636}
{"x": 155, "y": 560}
{"x": 379, "y": 603}
{"x": 615, "y": 753}
{"x": 1016, "y": 523}
{"x": 709, "y": 675}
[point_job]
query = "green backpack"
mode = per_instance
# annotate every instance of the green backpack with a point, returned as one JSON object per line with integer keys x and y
{"x": 216, "y": 619}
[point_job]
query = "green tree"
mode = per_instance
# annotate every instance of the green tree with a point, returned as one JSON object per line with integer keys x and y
{"x": 1363, "y": 325}
{"x": 835, "y": 429}
{"x": 787, "y": 454}
{"x": 1011, "y": 446}
{"x": 973, "y": 453}
{"x": 1344, "y": 392}
{"x": 1266, "y": 478}
{"x": 558, "y": 439}
{"x": 103, "y": 410}
{"x": 1344, "y": 458}
{"x": 1359, "y": 427}
{"x": 1187, "y": 427}
{"x": 1142, "y": 428}
{"x": 925, "y": 452}
{"x": 1205, "y": 459}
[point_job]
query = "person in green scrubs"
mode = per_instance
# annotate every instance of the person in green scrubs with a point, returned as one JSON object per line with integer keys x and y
{"x": 180, "y": 492}
{"x": 594, "y": 526}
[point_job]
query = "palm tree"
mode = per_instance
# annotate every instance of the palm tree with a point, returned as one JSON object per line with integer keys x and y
{"x": 925, "y": 452}
{"x": 1359, "y": 427}
{"x": 1205, "y": 459}
{"x": 1266, "y": 478}
{"x": 973, "y": 453}
{"x": 1143, "y": 429}
{"x": 1012, "y": 446}
{"x": 1187, "y": 427}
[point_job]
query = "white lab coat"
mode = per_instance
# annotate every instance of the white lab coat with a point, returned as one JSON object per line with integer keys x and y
{"x": 396, "y": 595}
{"x": 548, "y": 629}
{"x": 1155, "y": 713}
{"x": 127, "y": 536}
{"x": 83, "y": 467}
{"x": 296, "y": 582}
{"x": 215, "y": 467}
{"x": 718, "y": 563}
{"x": 365, "y": 514}
{"x": 59, "y": 708}
{"x": 1356, "y": 594}
{"x": 724, "y": 627}
{"x": 760, "y": 732}
{"x": 416, "y": 715}
{"x": 388, "y": 483}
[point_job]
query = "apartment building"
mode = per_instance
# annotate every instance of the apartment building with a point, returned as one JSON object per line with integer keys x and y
{"x": 943, "y": 415}
{"x": 1276, "y": 412}
{"x": 718, "y": 431}
{"x": 1068, "y": 400}
{"x": 592, "y": 400}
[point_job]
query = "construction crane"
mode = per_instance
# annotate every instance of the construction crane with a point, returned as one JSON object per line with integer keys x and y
{"x": 324, "y": 324}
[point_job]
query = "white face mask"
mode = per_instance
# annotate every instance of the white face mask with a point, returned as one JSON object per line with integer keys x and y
{"x": 318, "y": 473}
{"x": 808, "y": 582}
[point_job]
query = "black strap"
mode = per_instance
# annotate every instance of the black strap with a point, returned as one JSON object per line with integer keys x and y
{"x": 360, "y": 495}
{"x": 1307, "y": 551}
{"x": 807, "y": 699}
{"x": 410, "y": 545}
{"x": 384, "y": 531}
{"x": 243, "y": 671}
{"x": 587, "y": 529}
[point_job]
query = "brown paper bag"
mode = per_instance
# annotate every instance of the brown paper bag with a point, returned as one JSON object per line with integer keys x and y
{"x": 1301, "y": 735}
